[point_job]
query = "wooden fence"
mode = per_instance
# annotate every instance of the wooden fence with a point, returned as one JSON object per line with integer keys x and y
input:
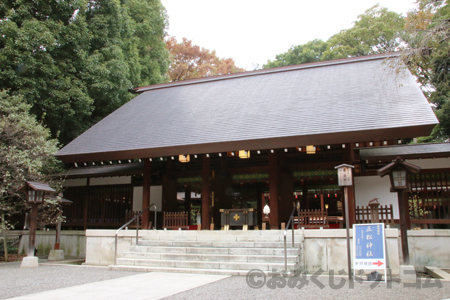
{"x": 175, "y": 220}
{"x": 312, "y": 218}
{"x": 380, "y": 214}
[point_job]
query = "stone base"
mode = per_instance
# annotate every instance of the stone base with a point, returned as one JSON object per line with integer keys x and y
{"x": 407, "y": 273}
{"x": 30, "y": 262}
{"x": 56, "y": 255}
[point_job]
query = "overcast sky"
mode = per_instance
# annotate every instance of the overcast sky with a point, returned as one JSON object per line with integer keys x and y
{"x": 254, "y": 31}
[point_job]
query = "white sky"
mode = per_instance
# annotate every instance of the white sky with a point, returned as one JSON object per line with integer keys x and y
{"x": 254, "y": 31}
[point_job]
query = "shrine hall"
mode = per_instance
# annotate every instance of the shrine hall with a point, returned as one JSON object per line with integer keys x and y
{"x": 240, "y": 142}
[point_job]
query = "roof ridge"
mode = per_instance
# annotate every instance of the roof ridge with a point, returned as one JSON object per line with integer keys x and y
{"x": 268, "y": 71}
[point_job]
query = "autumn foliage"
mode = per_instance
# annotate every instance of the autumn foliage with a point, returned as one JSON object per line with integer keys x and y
{"x": 190, "y": 61}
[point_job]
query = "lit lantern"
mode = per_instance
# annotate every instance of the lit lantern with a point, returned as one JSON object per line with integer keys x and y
{"x": 184, "y": 158}
{"x": 244, "y": 154}
{"x": 310, "y": 149}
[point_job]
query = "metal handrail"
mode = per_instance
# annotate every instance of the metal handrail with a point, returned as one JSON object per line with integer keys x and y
{"x": 137, "y": 229}
{"x": 285, "y": 233}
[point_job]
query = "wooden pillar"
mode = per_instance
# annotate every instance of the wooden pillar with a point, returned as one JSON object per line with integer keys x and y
{"x": 206, "y": 170}
{"x": 349, "y": 158}
{"x": 274, "y": 190}
{"x": 187, "y": 202}
{"x": 58, "y": 233}
{"x": 33, "y": 226}
{"x": 86, "y": 204}
{"x": 146, "y": 193}
{"x": 404, "y": 214}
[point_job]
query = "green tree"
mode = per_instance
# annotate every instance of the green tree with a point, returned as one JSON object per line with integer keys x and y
{"x": 309, "y": 52}
{"x": 429, "y": 35}
{"x": 75, "y": 61}
{"x": 378, "y": 30}
{"x": 26, "y": 153}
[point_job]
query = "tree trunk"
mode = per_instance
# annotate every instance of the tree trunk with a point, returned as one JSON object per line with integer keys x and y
{"x": 5, "y": 242}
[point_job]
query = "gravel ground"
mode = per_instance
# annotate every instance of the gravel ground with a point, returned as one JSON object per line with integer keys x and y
{"x": 15, "y": 281}
{"x": 237, "y": 288}
{"x": 18, "y": 282}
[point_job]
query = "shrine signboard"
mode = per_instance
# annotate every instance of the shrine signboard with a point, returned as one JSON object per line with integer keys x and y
{"x": 369, "y": 247}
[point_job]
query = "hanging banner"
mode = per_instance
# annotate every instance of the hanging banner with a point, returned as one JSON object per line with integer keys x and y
{"x": 369, "y": 247}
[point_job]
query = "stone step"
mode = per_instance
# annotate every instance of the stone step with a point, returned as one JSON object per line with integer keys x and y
{"x": 217, "y": 244}
{"x": 211, "y": 250}
{"x": 222, "y": 238}
{"x": 204, "y": 264}
{"x": 211, "y": 257}
{"x": 215, "y": 232}
{"x": 189, "y": 270}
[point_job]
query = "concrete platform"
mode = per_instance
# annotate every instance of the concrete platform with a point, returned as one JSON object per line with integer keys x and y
{"x": 143, "y": 286}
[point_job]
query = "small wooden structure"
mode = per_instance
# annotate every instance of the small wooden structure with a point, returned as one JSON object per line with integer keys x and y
{"x": 176, "y": 220}
{"x": 312, "y": 218}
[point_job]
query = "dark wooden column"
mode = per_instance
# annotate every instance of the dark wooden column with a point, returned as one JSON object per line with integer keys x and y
{"x": 170, "y": 189}
{"x": 146, "y": 193}
{"x": 274, "y": 189}
{"x": 206, "y": 180}
{"x": 86, "y": 204}
{"x": 187, "y": 202}
{"x": 286, "y": 189}
{"x": 349, "y": 158}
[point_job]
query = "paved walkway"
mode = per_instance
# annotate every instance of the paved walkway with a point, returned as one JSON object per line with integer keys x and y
{"x": 137, "y": 287}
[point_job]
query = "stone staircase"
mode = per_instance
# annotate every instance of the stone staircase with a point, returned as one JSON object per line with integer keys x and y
{"x": 233, "y": 252}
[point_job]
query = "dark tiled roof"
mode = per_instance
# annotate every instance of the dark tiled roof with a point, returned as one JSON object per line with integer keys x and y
{"x": 328, "y": 102}
{"x": 406, "y": 151}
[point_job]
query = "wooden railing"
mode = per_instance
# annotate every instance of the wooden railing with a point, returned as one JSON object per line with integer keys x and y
{"x": 374, "y": 214}
{"x": 175, "y": 220}
{"x": 312, "y": 218}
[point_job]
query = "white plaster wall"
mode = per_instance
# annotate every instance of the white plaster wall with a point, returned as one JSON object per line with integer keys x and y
{"x": 110, "y": 180}
{"x": 429, "y": 163}
{"x": 75, "y": 182}
{"x": 369, "y": 187}
{"x": 155, "y": 197}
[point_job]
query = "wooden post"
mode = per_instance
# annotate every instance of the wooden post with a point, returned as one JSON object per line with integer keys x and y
{"x": 274, "y": 190}
{"x": 146, "y": 193}
{"x": 347, "y": 222}
{"x": 403, "y": 227}
{"x": 187, "y": 202}
{"x": 58, "y": 233}
{"x": 322, "y": 207}
{"x": 33, "y": 226}
{"x": 206, "y": 169}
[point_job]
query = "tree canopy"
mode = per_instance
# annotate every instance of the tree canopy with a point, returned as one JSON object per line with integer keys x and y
{"x": 309, "y": 52}
{"x": 190, "y": 61}
{"x": 75, "y": 61}
{"x": 378, "y": 30}
{"x": 428, "y": 26}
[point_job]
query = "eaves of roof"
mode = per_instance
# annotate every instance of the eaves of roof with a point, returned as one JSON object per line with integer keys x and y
{"x": 412, "y": 151}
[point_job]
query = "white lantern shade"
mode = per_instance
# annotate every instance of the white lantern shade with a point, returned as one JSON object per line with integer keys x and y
{"x": 399, "y": 179}
{"x": 266, "y": 210}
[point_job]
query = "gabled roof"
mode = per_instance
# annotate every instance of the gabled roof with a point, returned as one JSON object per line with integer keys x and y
{"x": 339, "y": 101}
